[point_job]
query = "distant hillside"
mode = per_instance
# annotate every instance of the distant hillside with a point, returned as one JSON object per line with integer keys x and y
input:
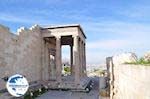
{"x": 93, "y": 67}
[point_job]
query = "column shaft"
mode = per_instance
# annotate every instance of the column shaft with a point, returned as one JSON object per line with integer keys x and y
{"x": 71, "y": 60}
{"x": 58, "y": 59}
{"x": 81, "y": 58}
{"x": 83, "y": 68}
{"x": 76, "y": 59}
{"x": 84, "y": 59}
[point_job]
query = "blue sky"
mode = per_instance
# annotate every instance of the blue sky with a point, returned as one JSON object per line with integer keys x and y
{"x": 111, "y": 26}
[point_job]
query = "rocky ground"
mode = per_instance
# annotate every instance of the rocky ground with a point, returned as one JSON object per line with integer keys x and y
{"x": 93, "y": 94}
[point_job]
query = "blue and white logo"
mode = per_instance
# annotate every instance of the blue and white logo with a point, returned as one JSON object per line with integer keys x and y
{"x": 17, "y": 85}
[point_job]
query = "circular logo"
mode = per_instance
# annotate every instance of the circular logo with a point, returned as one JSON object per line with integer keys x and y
{"x": 17, "y": 85}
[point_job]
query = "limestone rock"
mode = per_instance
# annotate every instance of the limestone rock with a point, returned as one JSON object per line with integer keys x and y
{"x": 124, "y": 58}
{"x": 147, "y": 56}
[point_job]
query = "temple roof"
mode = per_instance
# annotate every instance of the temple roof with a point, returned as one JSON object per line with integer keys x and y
{"x": 64, "y": 26}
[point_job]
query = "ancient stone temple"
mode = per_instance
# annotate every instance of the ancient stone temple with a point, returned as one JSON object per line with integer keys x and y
{"x": 36, "y": 54}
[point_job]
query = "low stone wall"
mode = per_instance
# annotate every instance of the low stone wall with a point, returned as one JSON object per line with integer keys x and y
{"x": 132, "y": 82}
{"x": 129, "y": 81}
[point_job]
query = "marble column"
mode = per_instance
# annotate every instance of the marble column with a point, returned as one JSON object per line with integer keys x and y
{"x": 76, "y": 59}
{"x": 58, "y": 59}
{"x": 71, "y": 60}
{"x": 84, "y": 52}
{"x": 81, "y": 59}
{"x": 43, "y": 59}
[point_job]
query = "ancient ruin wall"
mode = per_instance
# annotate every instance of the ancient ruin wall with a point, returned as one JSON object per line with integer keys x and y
{"x": 129, "y": 81}
{"x": 20, "y": 53}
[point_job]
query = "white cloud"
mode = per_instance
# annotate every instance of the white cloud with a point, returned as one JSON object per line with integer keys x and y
{"x": 117, "y": 27}
{"x": 107, "y": 44}
{"x": 121, "y": 37}
{"x": 137, "y": 11}
{"x": 13, "y": 18}
{"x": 16, "y": 18}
